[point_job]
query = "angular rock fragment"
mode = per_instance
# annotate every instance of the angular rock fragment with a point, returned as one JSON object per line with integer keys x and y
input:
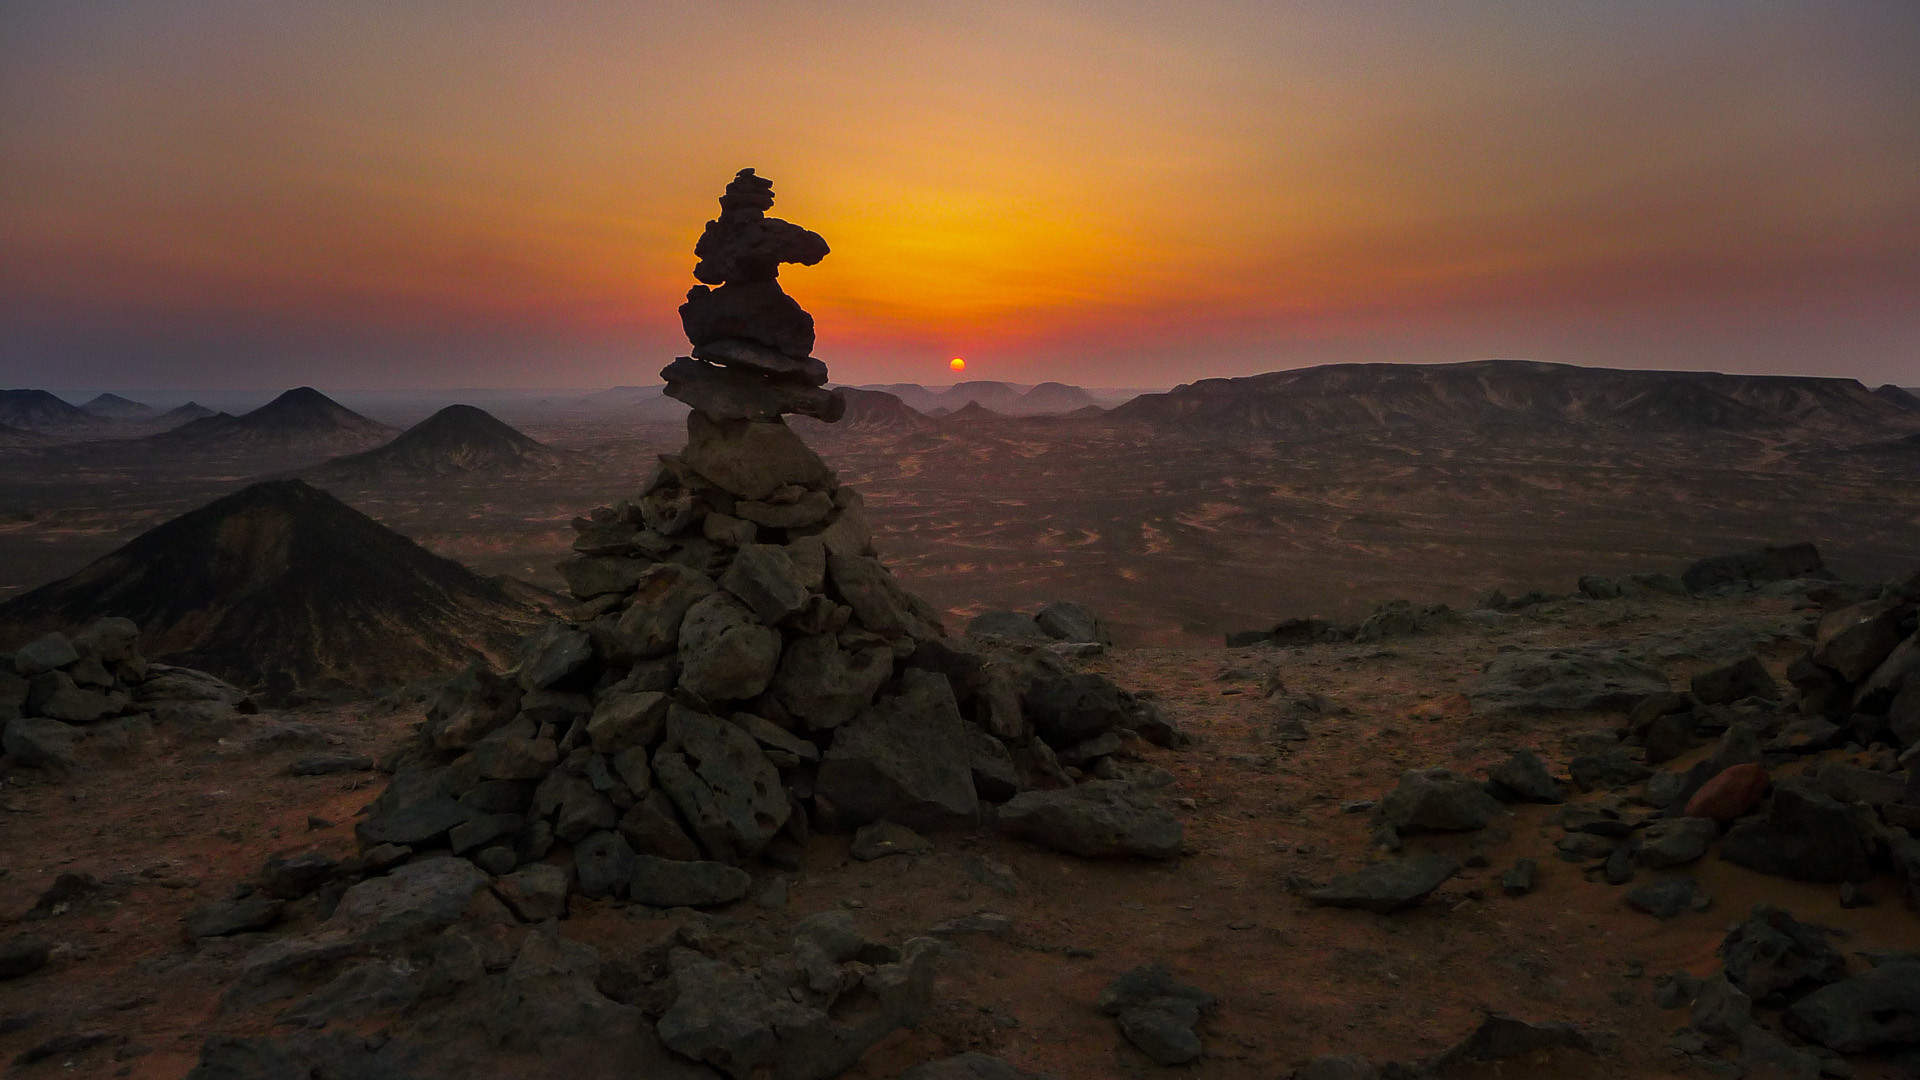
{"x": 1386, "y": 887}
{"x": 1102, "y": 819}
{"x": 903, "y": 759}
{"x": 1435, "y": 800}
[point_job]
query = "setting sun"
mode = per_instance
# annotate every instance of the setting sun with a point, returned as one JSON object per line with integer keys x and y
{"x": 957, "y": 364}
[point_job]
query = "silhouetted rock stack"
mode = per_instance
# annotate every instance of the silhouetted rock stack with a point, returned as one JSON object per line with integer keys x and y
{"x": 752, "y": 343}
{"x": 741, "y": 669}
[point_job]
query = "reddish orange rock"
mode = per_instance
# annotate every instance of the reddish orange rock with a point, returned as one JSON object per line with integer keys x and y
{"x": 1729, "y": 794}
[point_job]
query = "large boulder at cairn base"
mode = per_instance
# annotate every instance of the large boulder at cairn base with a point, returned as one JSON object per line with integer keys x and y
{"x": 903, "y": 759}
{"x": 281, "y": 586}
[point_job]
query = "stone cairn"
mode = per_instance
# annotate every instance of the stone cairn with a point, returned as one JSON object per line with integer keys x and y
{"x": 739, "y": 671}
{"x": 741, "y": 668}
{"x": 62, "y": 696}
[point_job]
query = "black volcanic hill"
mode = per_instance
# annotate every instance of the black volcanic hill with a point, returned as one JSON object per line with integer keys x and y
{"x": 457, "y": 440}
{"x": 1491, "y": 395}
{"x": 37, "y": 410}
{"x": 302, "y": 419}
{"x": 115, "y": 407}
{"x": 280, "y": 586}
{"x": 174, "y": 417}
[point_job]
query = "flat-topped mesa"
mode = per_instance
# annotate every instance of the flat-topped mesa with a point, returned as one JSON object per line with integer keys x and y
{"x": 752, "y": 343}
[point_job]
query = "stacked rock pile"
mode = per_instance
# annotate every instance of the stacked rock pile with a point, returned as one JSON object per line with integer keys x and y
{"x": 752, "y": 344}
{"x": 56, "y": 691}
{"x": 740, "y": 670}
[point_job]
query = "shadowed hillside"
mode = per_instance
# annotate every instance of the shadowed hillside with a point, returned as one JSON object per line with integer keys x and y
{"x": 1491, "y": 394}
{"x": 457, "y": 440}
{"x": 281, "y": 586}
{"x": 37, "y": 410}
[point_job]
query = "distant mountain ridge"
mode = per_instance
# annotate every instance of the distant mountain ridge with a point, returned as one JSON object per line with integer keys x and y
{"x": 115, "y": 407}
{"x": 457, "y": 440}
{"x": 38, "y": 410}
{"x": 302, "y": 418}
{"x": 279, "y": 586}
{"x": 1497, "y": 393}
{"x": 1004, "y": 399}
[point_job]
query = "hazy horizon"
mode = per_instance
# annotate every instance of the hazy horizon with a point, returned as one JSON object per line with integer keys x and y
{"x": 270, "y": 194}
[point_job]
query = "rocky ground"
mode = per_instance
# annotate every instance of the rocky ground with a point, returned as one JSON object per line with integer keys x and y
{"x": 1295, "y": 743}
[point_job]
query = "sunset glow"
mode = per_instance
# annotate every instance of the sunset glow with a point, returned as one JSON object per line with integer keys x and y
{"x": 1112, "y": 195}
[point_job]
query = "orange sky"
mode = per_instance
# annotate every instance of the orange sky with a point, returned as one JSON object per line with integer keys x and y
{"x": 237, "y": 193}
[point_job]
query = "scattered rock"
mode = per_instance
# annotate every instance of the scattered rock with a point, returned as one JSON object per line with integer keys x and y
{"x": 1676, "y": 841}
{"x": 1744, "y": 678}
{"x": 1435, "y": 800}
{"x": 1564, "y": 680}
{"x": 1523, "y": 777}
{"x": 1519, "y": 880}
{"x": 1878, "y": 1007}
{"x": 884, "y": 838}
{"x": 1093, "y": 820}
{"x": 1773, "y": 952}
{"x": 23, "y": 954}
{"x": 1730, "y": 793}
{"x": 1388, "y": 886}
{"x": 410, "y": 901}
{"x": 1668, "y": 897}
{"x": 1157, "y": 1013}
{"x": 328, "y": 764}
{"x": 1804, "y": 836}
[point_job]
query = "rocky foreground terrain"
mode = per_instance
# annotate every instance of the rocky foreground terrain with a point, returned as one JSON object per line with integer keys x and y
{"x": 1330, "y": 894}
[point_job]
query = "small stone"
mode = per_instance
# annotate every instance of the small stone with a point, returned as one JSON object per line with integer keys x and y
{"x": 1519, "y": 880}
{"x": 1667, "y": 898}
{"x": 23, "y": 955}
{"x": 231, "y": 917}
{"x": 884, "y": 838}
{"x": 329, "y": 764}
{"x": 1388, "y": 886}
{"x": 1523, "y": 777}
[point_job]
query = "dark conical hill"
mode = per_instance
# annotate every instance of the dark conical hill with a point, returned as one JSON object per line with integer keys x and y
{"x": 280, "y": 586}
{"x": 302, "y": 419}
{"x": 38, "y": 410}
{"x": 192, "y": 410}
{"x": 458, "y": 439}
{"x": 115, "y": 407}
